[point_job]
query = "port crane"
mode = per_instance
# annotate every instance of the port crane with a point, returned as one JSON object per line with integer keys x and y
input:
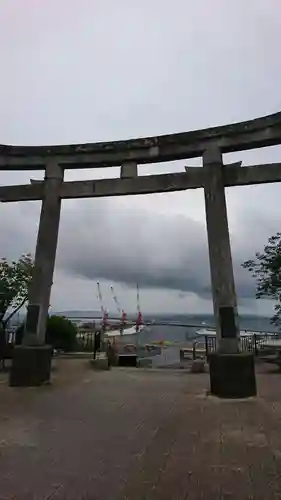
{"x": 104, "y": 312}
{"x": 122, "y": 314}
{"x": 139, "y": 321}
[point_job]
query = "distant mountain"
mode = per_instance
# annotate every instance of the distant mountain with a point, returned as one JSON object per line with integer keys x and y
{"x": 207, "y": 318}
{"x": 78, "y": 314}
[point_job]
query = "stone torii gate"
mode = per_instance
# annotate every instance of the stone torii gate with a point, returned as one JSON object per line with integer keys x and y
{"x": 231, "y": 372}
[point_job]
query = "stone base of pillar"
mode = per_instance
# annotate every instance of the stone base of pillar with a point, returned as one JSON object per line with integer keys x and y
{"x": 100, "y": 363}
{"x": 127, "y": 360}
{"x": 31, "y": 366}
{"x": 232, "y": 375}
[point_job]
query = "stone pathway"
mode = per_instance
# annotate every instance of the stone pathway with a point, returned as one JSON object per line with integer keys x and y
{"x": 138, "y": 434}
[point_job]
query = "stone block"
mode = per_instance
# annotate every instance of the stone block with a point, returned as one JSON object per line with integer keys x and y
{"x": 127, "y": 360}
{"x": 31, "y": 366}
{"x": 197, "y": 366}
{"x": 144, "y": 363}
{"x": 100, "y": 363}
{"x": 232, "y": 375}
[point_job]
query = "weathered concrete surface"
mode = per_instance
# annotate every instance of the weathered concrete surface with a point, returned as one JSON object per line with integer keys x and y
{"x": 45, "y": 254}
{"x": 31, "y": 366}
{"x": 252, "y": 174}
{"x": 260, "y": 132}
{"x": 129, "y": 170}
{"x": 193, "y": 178}
{"x": 138, "y": 434}
{"x": 100, "y": 363}
{"x": 221, "y": 267}
{"x": 110, "y": 187}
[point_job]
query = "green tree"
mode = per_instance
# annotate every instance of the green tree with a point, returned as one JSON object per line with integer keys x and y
{"x": 60, "y": 333}
{"x": 266, "y": 269}
{"x": 15, "y": 277}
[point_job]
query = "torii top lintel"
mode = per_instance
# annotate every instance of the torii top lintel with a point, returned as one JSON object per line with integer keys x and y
{"x": 260, "y": 132}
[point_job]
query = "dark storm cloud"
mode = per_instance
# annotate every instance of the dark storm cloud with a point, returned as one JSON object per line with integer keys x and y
{"x": 155, "y": 250}
{"x": 132, "y": 246}
{"x": 121, "y": 242}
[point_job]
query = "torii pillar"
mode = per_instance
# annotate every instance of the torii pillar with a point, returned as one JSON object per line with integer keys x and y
{"x": 32, "y": 360}
{"x": 232, "y": 372}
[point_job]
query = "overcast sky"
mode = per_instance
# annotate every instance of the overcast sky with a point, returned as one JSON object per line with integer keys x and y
{"x": 115, "y": 69}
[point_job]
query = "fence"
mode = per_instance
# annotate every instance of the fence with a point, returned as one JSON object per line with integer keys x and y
{"x": 196, "y": 346}
{"x": 207, "y": 343}
{"x": 251, "y": 343}
{"x": 85, "y": 341}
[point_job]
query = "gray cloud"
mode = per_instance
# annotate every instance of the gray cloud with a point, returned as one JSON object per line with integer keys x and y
{"x": 157, "y": 250}
{"x": 129, "y": 246}
{"x": 116, "y": 241}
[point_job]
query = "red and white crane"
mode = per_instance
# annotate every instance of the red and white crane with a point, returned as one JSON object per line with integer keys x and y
{"x": 139, "y": 321}
{"x": 104, "y": 312}
{"x": 122, "y": 314}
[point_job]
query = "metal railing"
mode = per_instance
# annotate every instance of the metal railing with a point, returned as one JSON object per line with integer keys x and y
{"x": 252, "y": 343}
{"x": 85, "y": 341}
{"x": 191, "y": 347}
{"x": 203, "y": 347}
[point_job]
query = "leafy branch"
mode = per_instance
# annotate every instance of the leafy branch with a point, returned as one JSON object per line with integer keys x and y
{"x": 15, "y": 278}
{"x": 266, "y": 269}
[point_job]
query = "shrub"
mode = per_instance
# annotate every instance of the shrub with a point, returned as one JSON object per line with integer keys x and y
{"x": 60, "y": 333}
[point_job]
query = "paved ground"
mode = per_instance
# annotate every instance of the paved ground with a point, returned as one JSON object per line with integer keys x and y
{"x": 136, "y": 434}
